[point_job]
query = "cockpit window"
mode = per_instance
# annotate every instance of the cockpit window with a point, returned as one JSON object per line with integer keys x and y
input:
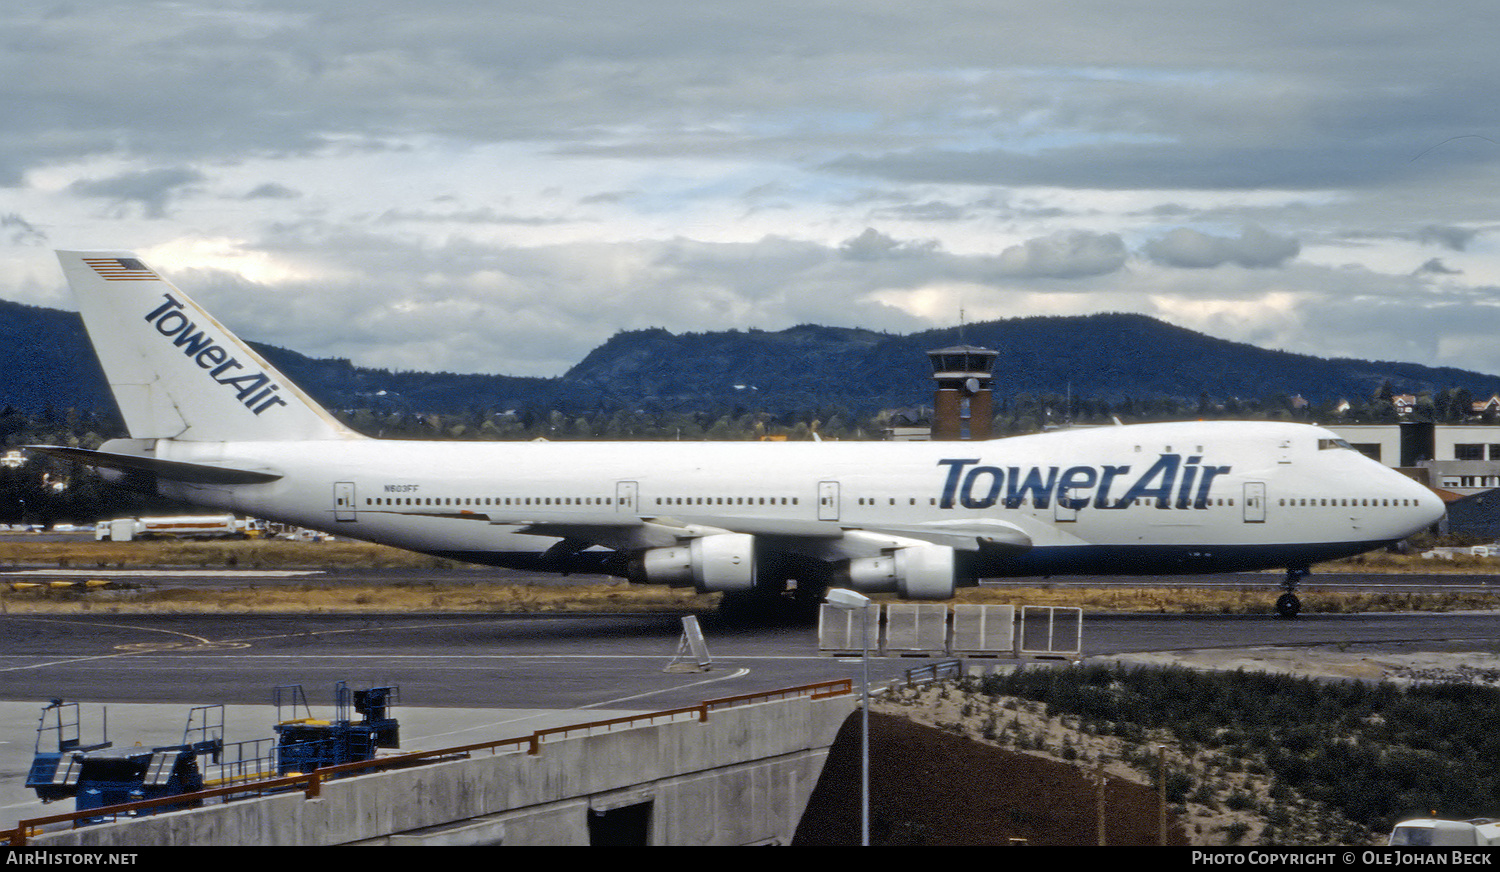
{"x": 1326, "y": 444}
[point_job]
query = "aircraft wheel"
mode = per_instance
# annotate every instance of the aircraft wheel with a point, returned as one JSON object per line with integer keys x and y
{"x": 1287, "y": 605}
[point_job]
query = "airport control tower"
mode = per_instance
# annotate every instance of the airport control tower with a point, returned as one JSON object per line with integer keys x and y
{"x": 963, "y": 405}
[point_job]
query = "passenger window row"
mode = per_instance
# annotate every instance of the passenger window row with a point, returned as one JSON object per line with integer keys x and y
{"x": 489, "y": 501}
{"x": 1347, "y": 501}
{"x": 784, "y": 501}
{"x": 727, "y": 501}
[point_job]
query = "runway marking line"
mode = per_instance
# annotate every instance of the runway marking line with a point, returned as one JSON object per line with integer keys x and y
{"x": 739, "y": 673}
{"x": 134, "y": 648}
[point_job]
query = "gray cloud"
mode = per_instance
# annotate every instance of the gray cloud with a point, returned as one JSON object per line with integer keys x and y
{"x": 272, "y": 191}
{"x": 496, "y": 186}
{"x": 1191, "y": 249}
{"x": 1436, "y": 267}
{"x": 1065, "y": 254}
{"x": 873, "y": 245}
{"x": 151, "y": 189}
{"x": 538, "y": 310}
{"x": 1456, "y": 238}
{"x": 1159, "y": 104}
{"x": 15, "y": 230}
{"x": 1200, "y": 163}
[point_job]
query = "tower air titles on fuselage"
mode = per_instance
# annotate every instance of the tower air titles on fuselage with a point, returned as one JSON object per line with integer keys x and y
{"x": 1169, "y": 482}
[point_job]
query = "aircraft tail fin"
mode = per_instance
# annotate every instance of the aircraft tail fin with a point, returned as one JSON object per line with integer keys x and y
{"x": 175, "y": 372}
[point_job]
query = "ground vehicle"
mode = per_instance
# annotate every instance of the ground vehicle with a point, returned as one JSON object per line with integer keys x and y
{"x": 176, "y": 527}
{"x": 1425, "y": 832}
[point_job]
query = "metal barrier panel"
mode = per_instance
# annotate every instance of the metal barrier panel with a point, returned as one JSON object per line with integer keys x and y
{"x": 916, "y": 628}
{"x": 839, "y": 631}
{"x": 972, "y": 630}
{"x": 942, "y": 670}
{"x": 984, "y": 629}
{"x": 1051, "y": 630}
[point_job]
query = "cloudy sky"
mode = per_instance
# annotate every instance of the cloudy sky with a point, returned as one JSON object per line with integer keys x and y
{"x": 484, "y": 187}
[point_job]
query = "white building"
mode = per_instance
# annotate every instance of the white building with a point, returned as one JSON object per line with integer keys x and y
{"x": 1463, "y": 458}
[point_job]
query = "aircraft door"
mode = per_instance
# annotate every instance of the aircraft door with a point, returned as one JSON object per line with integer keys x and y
{"x": 626, "y": 496}
{"x": 828, "y": 501}
{"x": 343, "y": 501}
{"x": 1255, "y": 502}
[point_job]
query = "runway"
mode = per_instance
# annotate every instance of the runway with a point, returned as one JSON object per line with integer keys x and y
{"x": 490, "y": 661}
{"x": 566, "y": 661}
{"x": 481, "y": 676}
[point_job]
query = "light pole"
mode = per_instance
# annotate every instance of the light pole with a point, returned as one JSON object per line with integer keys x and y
{"x": 848, "y": 600}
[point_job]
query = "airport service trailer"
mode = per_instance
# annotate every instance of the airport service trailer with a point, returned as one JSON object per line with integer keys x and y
{"x": 177, "y": 527}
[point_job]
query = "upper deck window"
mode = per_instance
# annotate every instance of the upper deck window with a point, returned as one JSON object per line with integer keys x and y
{"x": 1327, "y": 444}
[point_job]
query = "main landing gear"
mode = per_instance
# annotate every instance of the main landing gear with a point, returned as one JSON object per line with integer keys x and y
{"x": 1288, "y": 605}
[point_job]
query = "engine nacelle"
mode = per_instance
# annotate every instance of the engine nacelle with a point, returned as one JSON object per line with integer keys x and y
{"x": 918, "y": 572}
{"x": 721, "y": 563}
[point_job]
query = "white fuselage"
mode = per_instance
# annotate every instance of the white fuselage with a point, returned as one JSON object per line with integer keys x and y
{"x": 1181, "y": 497}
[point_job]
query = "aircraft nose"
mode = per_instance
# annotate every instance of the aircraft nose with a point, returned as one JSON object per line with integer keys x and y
{"x": 1428, "y": 507}
{"x": 1432, "y": 509}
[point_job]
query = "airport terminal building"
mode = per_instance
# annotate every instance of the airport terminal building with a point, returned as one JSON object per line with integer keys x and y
{"x": 1459, "y": 461}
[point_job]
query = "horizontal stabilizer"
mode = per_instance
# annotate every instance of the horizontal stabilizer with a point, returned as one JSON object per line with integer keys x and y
{"x": 170, "y": 470}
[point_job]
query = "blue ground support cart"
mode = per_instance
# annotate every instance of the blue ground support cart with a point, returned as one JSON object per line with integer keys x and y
{"x": 99, "y": 774}
{"x": 304, "y": 743}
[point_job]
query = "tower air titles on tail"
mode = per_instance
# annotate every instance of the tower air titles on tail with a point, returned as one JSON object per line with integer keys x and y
{"x": 213, "y": 423}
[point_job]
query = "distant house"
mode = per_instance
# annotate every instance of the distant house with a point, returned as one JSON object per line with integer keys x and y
{"x": 909, "y": 426}
{"x": 1404, "y": 403}
{"x": 1479, "y": 407}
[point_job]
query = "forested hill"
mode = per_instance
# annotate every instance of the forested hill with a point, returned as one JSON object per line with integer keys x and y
{"x": 1107, "y": 356}
{"x": 45, "y": 360}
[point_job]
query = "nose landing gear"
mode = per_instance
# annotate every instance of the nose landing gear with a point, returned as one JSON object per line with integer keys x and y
{"x": 1288, "y": 605}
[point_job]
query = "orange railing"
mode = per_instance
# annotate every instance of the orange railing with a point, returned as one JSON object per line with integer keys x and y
{"x": 311, "y": 783}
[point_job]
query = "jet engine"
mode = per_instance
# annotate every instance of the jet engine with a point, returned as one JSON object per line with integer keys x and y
{"x": 919, "y": 572}
{"x": 723, "y": 562}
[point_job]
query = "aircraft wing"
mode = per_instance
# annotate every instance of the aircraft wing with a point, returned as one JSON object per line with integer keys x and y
{"x": 632, "y": 532}
{"x": 964, "y": 534}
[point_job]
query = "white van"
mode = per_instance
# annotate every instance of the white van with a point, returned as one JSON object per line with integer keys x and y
{"x": 1424, "y": 832}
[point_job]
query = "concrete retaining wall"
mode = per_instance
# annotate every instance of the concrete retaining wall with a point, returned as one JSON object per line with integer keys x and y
{"x": 743, "y": 777}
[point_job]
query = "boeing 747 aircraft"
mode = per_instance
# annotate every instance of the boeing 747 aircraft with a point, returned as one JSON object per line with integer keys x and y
{"x": 212, "y": 423}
